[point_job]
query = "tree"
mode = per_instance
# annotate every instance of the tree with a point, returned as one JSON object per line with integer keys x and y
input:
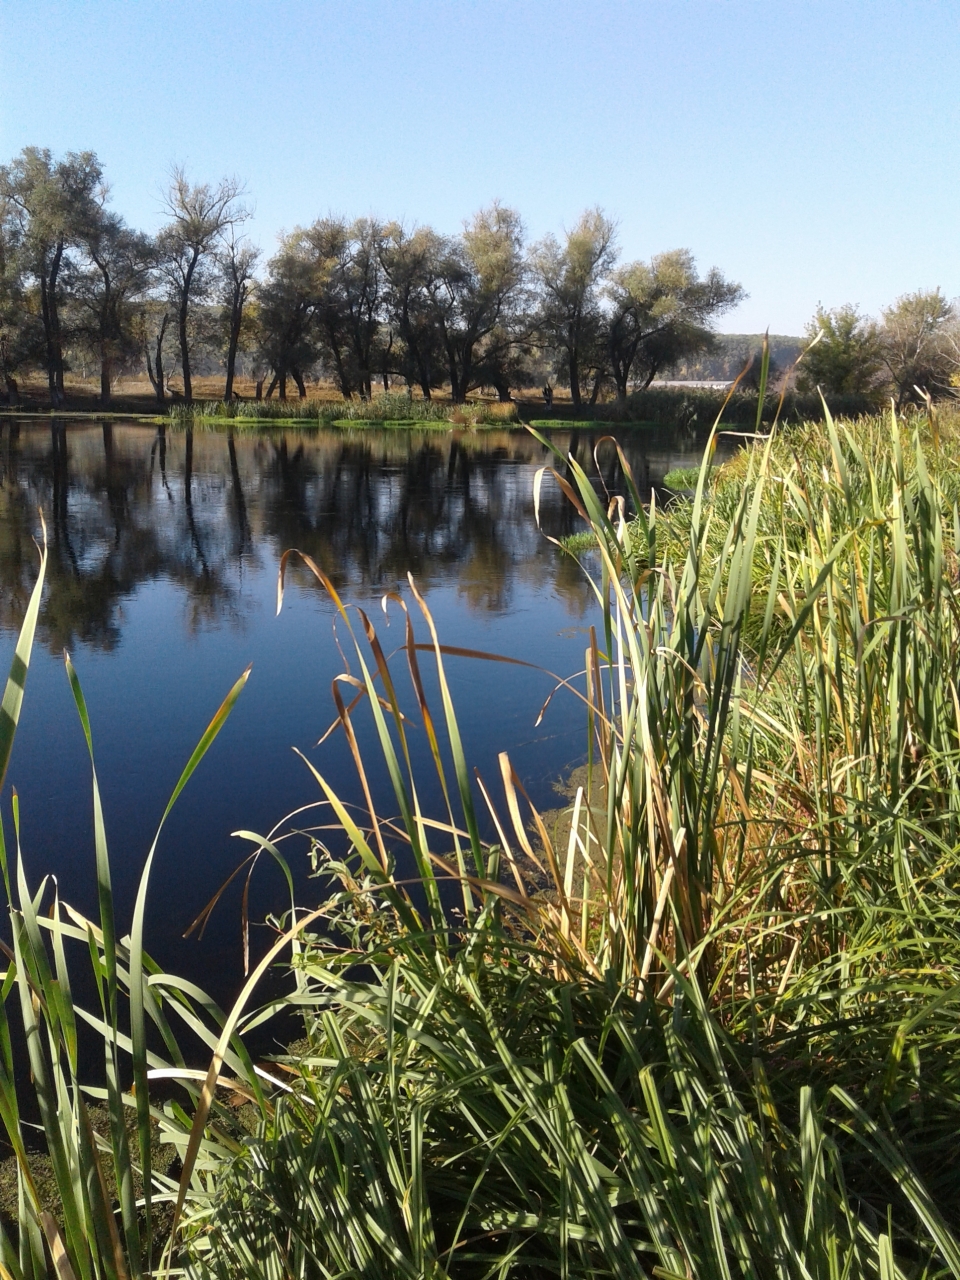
{"x": 569, "y": 279}
{"x": 19, "y": 330}
{"x": 503, "y": 359}
{"x": 410, "y": 261}
{"x": 349, "y": 281}
{"x": 286, "y": 321}
{"x": 200, "y": 217}
{"x": 237, "y": 261}
{"x": 45, "y": 205}
{"x": 475, "y": 288}
{"x": 848, "y": 358}
{"x": 661, "y": 312}
{"x": 154, "y": 327}
{"x": 918, "y": 346}
{"x": 118, "y": 270}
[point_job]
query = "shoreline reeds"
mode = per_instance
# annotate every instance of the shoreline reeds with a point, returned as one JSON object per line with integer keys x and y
{"x": 710, "y": 1034}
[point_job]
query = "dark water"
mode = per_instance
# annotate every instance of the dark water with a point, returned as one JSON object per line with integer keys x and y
{"x": 164, "y": 547}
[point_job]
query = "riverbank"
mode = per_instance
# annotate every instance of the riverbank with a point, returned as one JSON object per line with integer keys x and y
{"x": 682, "y": 406}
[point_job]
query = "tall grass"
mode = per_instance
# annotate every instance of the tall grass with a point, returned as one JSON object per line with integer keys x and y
{"x": 705, "y": 1027}
{"x": 390, "y": 409}
{"x": 699, "y": 406}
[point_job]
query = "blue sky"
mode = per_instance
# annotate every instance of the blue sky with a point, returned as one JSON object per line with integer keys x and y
{"x": 810, "y": 150}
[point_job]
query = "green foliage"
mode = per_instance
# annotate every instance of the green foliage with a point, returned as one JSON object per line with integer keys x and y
{"x": 912, "y": 353}
{"x": 698, "y": 407}
{"x": 580, "y": 424}
{"x": 682, "y": 478}
{"x": 662, "y": 313}
{"x": 486, "y": 1119}
{"x": 847, "y": 355}
{"x": 921, "y": 345}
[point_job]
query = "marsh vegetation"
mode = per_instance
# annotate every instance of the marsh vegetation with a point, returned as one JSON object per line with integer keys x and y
{"x": 709, "y": 1033}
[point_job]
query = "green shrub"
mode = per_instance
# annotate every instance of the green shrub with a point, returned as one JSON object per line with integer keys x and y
{"x": 682, "y": 478}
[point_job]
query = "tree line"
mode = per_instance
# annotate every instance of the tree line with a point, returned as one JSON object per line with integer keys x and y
{"x": 363, "y": 302}
{"x": 912, "y": 351}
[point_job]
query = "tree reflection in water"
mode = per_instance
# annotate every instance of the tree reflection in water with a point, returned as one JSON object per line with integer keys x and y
{"x": 127, "y": 504}
{"x": 163, "y": 554}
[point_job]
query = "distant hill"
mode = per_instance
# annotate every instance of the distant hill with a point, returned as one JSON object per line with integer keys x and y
{"x": 731, "y": 354}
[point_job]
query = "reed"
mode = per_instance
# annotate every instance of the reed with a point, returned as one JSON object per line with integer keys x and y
{"x": 389, "y": 409}
{"x": 705, "y": 1027}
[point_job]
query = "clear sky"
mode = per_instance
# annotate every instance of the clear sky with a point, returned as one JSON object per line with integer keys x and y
{"x": 809, "y": 148}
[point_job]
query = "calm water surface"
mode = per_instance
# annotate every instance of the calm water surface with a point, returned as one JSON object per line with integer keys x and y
{"x": 164, "y": 548}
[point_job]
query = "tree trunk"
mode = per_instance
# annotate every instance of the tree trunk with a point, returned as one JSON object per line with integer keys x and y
{"x": 574, "y": 362}
{"x": 184, "y": 352}
{"x": 231, "y": 361}
{"x": 55, "y": 324}
{"x": 298, "y": 379}
{"x": 236, "y": 319}
{"x": 464, "y": 386}
{"x": 51, "y": 328}
{"x": 272, "y": 387}
{"x": 161, "y": 385}
{"x": 456, "y": 394}
{"x": 48, "y": 341}
{"x": 105, "y": 376}
{"x": 283, "y": 385}
{"x": 345, "y": 389}
{"x": 156, "y": 376}
{"x": 182, "y": 326}
{"x": 451, "y": 366}
{"x": 594, "y": 394}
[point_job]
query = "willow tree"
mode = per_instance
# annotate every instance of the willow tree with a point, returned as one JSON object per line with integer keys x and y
{"x": 476, "y": 288}
{"x": 45, "y": 206}
{"x": 660, "y": 312}
{"x": 411, "y": 260}
{"x": 349, "y": 294}
{"x": 114, "y": 275}
{"x": 200, "y": 217}
{"x": 286, "y": 322}
{"x": 568, "y": 278}
{"x": 237, "y": 262}
{"x": 920, "y": 345}
{"x": 848, "y": 356}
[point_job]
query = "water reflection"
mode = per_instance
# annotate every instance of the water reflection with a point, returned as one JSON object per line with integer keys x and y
{"x": 163, "y": 556}
{"x": 127, "y": 504}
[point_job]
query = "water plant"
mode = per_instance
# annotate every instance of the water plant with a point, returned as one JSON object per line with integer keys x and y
{"x": 704, "y": 1027}
{"x": 386, "y": 409}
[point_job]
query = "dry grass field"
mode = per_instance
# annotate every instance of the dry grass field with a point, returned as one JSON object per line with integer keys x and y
{"x": 134, "y": 394}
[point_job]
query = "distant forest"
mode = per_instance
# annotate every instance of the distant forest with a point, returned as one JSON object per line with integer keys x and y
{"x": 730, "y": 352}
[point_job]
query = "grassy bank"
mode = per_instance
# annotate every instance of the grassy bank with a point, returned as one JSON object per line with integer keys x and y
{"x": 387, "y": 410}
{"x": 663, "y": 406}
{"x": 699, "y": 407}
{"x": 708, "y": 1030}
